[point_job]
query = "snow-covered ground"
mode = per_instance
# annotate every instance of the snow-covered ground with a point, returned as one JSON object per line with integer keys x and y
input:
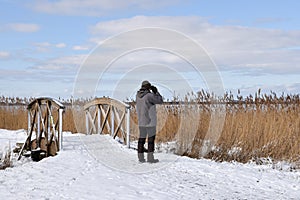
{"x": 98, "y": 167}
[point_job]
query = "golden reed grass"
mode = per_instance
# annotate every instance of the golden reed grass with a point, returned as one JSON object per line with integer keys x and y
{"x": 254, "y": 127}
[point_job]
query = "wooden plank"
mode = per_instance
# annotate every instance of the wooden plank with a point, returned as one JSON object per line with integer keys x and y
{"x": 39, "y": 137}
{"x": 106, "y": 101}
{"x": 105, "y": 119}
{"x": 127, "y": 111}
{"x": 42, "y": 100}
{"x": 112, "y": 120}
{"x": 120, "y": 121}
{"x": 118, "y": 118}
{"x": 93, "y": 125}
{"x": 52, "y": 126}
{"x": 56, "y": 123}
{"x": 94, "y": 120}
{"x": 46, "y": 130}
{"x": 99, "y": 119}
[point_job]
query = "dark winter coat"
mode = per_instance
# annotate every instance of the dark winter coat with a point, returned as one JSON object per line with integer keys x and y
{"x": 145, "y": 107}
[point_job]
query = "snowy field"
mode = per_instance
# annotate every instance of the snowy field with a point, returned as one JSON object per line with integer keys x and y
{"x": 98, "y": 167}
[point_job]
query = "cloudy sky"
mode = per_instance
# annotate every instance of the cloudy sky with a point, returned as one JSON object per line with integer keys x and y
{"x": 44, "y": 45}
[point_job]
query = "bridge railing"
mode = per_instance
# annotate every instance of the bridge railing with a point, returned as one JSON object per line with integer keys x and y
{"x": 108, "y": 116}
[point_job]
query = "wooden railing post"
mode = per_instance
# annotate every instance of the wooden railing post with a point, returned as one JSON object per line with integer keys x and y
{"x": 99, "y": 119}
{"x": 60, "y": 123}
{"x": 29, "y": 120}
{"x": 128, "y": 127}
{"x": 112, "y": 121}
{"x": 38, "y": 127}
{"x": 49, "y": 120}
{"x": 87, "y": 122}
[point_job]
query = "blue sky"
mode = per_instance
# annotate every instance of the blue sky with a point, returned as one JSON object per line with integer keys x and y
{"x": 255, "y": 44}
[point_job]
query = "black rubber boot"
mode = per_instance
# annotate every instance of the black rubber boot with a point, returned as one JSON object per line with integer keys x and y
{"x": 141, "y": 143}
{"x": 141, "y": 157}
{"x": 150, "y": 158}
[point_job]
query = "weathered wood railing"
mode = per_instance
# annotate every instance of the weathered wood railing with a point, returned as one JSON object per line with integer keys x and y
{"x": 44, "y": 128}
{"x": 100, "y": 111}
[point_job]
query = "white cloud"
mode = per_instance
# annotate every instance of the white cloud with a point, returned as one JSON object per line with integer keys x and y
{"x": 42, "y": 44}
{"x": 232, "y": 47}
{"x": 268, "y": 20}
{"x": 23, "y": 27}
{"x": 4, "y": 55}
{"x": 184, "y": 24}
{"x": 60, "y": 45}
{"x": 96, "y": 7}
{"x": 46, "y": 46}
{"x": 59, "y": 64}
{"x": 42, "y": 47}
{"x": 80, "y": 48}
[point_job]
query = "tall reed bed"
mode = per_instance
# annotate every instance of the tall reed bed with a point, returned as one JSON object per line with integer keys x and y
{"x": 254, "y": 127}
{"x": 13, "y": 116}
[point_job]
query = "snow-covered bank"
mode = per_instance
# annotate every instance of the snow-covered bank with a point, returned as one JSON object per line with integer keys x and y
{"x": 8, "y": 139}
{"x": 11, "y": 137}
{"x": 97, "y": 167}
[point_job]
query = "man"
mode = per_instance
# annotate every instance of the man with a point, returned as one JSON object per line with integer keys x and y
{"x": 146, "y": 99}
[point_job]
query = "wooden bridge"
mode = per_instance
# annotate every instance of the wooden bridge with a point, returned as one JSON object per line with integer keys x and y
{"x": 44, "y": 128}
{"x": 107, "y": 115}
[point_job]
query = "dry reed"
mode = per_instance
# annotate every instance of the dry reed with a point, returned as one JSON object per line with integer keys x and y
{"x": 255, "y": 127}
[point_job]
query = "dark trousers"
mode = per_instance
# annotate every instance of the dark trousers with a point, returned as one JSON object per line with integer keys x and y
{"x": 146, "y": 132}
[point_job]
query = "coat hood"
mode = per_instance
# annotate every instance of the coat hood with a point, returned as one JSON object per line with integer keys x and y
{"x": 142, "y": 92}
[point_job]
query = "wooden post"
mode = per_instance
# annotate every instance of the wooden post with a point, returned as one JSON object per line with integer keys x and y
{"x": 29, "y": 121}
{"x": 99, "y": 119}
{"x": 87, "y": 122}
{"x": 38, "y": 127}
{"x": 49, "y": 121}
{"x": 128, "y": 127}
{"x": 60, "y": 129}
{"x": 112, "y": 121}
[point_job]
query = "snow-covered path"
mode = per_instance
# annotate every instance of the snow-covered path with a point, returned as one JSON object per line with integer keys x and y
{"x": 97, "y": 167}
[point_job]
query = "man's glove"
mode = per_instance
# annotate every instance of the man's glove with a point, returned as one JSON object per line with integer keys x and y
{"x": 154, "y": 89}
